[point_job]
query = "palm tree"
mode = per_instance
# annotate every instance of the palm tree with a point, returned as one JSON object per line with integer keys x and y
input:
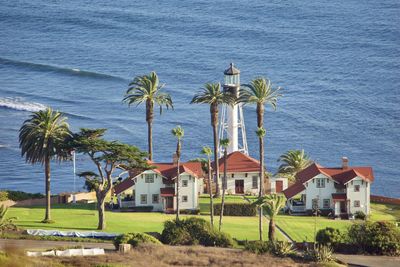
{"x": 224, "y": 144}
{"x": 211, "y": 94}
{"x": 207, "y": 151}
{"x": 178, "y": 132}
{"x": 260, "y": 134}
{"x": 147, "y": 89}
{"x": 271, "y": 204}
{"x": 41, "y": 139}
{"x": 260, "y": 92}
{"x": 293, "y": 161}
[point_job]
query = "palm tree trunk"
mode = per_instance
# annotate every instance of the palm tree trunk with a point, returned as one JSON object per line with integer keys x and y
{"x": 223, "y": 191}
{"x": 150, "y": 139}
{"x": 261, "y": 192}
{"x": 210, "y": 192}
{"x": 271, "y": 230}
{"x": 216, "y": 160}
{"x": 48, "y": 195}
{"x": 177, "y": 191}
{"x": 101, "y": 211}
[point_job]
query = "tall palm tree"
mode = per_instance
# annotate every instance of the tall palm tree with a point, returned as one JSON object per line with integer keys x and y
{"x": 261, "y": 134}
{"x": 260, "y": 92}
{"x": 207, "y": 151}
{"x": 293, "y": 161}
{"x": 41, "y": 139}
{"x": 271, "y": 204}
{"x": 224, "y": 144}
{"x": 178, "y": 132}
{"x": 211, "y": 94}
{"x": 147, "y": 89}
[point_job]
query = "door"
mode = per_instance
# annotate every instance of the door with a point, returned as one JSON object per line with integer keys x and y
{"x": 239, "y": 186}
{"x": 169, "y": 203}
{"x": 278, "y": 186}
{"x": 343, "y": 207}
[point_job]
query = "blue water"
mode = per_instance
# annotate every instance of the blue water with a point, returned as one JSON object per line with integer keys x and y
{"x": 338, "y": 62}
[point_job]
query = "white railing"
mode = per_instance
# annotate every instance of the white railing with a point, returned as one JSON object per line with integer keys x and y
{"x": 298, "y": 208}
{"x": 127, "y": 204}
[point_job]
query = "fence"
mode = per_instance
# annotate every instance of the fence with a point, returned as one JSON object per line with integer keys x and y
{"x": 385, "y": 200}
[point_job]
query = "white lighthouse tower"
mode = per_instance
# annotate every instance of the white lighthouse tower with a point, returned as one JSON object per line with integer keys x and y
{"x": 232, "y": 120}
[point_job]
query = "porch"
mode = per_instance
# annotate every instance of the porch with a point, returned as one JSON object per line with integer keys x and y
{"x": 341, "y": 205}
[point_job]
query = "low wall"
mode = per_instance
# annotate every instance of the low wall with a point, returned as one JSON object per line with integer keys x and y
{"x": 385, "y": 200}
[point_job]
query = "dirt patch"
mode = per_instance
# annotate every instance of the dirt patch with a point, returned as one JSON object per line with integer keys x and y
{"x": 170, "y": 256}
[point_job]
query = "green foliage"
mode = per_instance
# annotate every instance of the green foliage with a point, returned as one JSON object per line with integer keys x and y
{"x": 135, "y": 239}
{"x": 271, "y": 204}
{"x": 3, "y": 195}
{"x": 12, "y": 235}
{"x": 194, "y": 231}
{"x": 261, "y": 132}
{"x": 376, "y": 237}
{"x": 277, "y": 248}
{"x": 330, "y": 236}
{"x": 236, "y": 209}
{"x": 360, "y": 215}
{"x": 319, "y": 253}
{"x": 139, "y": 209}
{"x": 190, "y": 211}
{"x": 19, "y": 195}
{"x": 293, "y": 161}
{"x": 6, "y": 223}
{"x": 259, "y": 91}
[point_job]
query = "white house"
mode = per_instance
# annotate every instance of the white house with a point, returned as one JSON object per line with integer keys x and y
{"x": 156, "y": 188}
{"x": 243, "y": 175}
{"x": 337, "y": 191}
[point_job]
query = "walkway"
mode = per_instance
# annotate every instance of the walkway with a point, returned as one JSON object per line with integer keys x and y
{"x": 370, "y": 261}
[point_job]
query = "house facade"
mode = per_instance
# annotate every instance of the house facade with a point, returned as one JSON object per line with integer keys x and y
{"x": 243, "y": 175}
{"x": 155, "y": 189}
{"x": 340, "y": 192}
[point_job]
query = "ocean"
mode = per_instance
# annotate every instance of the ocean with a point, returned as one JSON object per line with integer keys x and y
{"x": 338, "y": 63}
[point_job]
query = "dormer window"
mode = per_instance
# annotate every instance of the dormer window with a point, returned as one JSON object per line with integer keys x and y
{"x": 149, "y": 178}
{"x": 320, "y": 182}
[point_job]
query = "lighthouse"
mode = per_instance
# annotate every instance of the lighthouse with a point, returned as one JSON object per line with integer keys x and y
{"x": 232, "y": 120}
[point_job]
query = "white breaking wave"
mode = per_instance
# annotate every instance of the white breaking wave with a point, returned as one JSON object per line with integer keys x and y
{"x": 18, "y": 104}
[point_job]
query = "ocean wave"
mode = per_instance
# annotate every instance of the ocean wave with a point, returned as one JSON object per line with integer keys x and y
{"x": 58, "y": 69}
{"x": 19, "y": 104}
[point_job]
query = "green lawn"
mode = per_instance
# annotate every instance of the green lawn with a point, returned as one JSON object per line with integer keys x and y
{"x": 385, "y": 212}
{"x": 204, "y": 201}
{"x": 84, "y": 218}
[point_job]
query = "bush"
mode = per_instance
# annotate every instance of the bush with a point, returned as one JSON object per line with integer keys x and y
{"x": 190, "y": 211}
{"x": 330, "y": 236}
{"x": 236, "y": 209}
{"x": 381, "y": 238}
{"x": 3, "y": 195}
{"x": 282, "y": 249}
{"x": 139, "y": 209}
{"x": 258, "y": 247}
{"x": 135, "y": 239}
{"x": 319, "y": 253}
{"x": 360, "y": 215}
{"x": 194, "y": 231}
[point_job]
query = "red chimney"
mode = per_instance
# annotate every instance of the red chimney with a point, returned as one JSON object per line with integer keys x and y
{"x": 345, "y": 163}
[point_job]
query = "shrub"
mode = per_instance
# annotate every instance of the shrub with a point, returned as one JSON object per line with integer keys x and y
{"x": 376, "y": 237}
{"x": 360, "y": 215}
{"x": 135, "y": 239}
{"x": 319, "y": 253}
{"x": 193, "y": 231}
{"x": 258, "y": 247}
{"x": 330, "y": 236}
{"x": 282, "y": 249}
{"x": 236, "y": 209}
{"x": 190, "y": 211}
{"x": 139, "y": 209}
{"x": 3, "y": 195}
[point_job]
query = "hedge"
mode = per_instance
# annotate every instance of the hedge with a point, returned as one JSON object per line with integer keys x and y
{"x": 236, "y": 209}
{"x": 18, "y": 195}
{"x": 135, "y": 239}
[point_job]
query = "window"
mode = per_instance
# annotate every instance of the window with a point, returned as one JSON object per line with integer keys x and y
{"x": 233, "y": 175}
{"x": 155, "y": 198}
{"x": 315, "y": 203}
{"x": 184, "y": 198}
{"x": 357, "y": 188}
{"x": 255, "y": 182}
{"x": 326, "y": 204}
{"x": 320, "y": 182}
{"x": 356, "y": 203}
{"x": 143, "y": 199}
{"x": 149, "y": 178}
{"x": 184, "y": 183}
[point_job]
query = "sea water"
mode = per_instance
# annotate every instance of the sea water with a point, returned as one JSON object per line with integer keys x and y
{"x": 338, "y": 63}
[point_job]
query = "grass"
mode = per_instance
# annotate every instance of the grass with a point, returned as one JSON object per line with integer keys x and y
{"x": 83, "y": 217}
{"x": 204, "y": 201}
{"x": 385, "y": 212}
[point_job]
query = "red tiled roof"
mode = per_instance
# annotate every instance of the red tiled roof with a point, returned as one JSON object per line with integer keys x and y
{"x": 168, "y": 170}
{"x": 293, "y": 190}
{"x": 167, "y": 191}
{"x": 338, "y": 196}
{"x": 239, "y": 162}
{"x": 125, "y": 184}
